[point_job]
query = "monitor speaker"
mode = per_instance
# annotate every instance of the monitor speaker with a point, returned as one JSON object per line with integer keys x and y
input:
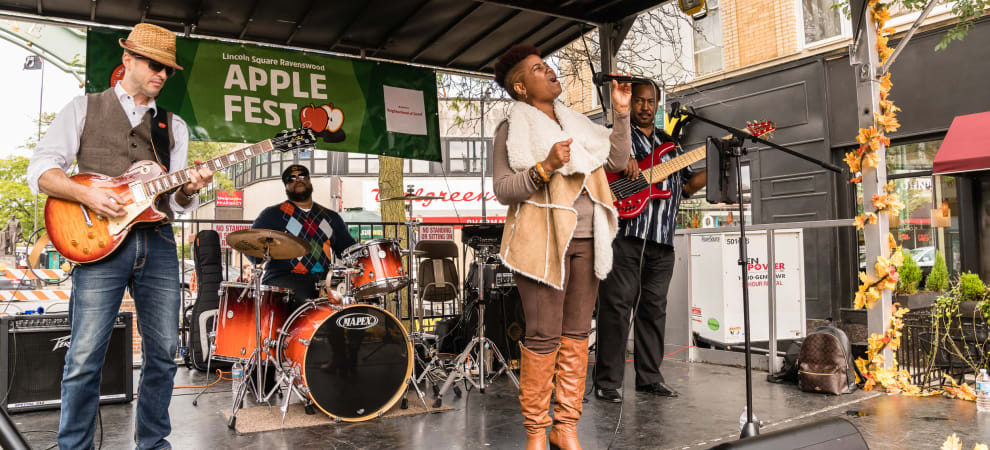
{"x": 32, "y": 359}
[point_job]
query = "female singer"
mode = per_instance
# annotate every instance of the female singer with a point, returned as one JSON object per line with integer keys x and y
{"x": 549, "y": 165}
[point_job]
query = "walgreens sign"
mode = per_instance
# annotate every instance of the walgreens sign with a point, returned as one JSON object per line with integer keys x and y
{"x": 459, "y": 196}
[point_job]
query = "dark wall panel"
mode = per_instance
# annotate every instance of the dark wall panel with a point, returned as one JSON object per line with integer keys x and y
{"x": 785, "y": 188}
{"x": 931, "y": 87}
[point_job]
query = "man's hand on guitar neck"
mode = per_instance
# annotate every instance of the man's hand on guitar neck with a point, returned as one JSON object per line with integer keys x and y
{"x": 199, "y": 176}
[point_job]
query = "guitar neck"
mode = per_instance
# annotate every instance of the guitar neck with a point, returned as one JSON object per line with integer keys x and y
{"x": 663, "y": 170}
{"x": 175, "y": 179}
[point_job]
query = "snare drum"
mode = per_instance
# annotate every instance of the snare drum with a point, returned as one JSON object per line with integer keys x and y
{"x": 380, "y": 265}
{"x": 235, "y": 326}
{"x": 351, "y": 361}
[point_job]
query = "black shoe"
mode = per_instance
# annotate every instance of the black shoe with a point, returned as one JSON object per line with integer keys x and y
{"x": 660, "y": 389}
{"x": 609, "y": 395}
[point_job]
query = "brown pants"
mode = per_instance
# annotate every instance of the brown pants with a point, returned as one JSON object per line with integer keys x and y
{"x": 552, "y": 313}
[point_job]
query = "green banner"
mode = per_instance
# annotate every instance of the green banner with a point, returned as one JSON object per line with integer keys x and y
{"x": 244, "y": 93}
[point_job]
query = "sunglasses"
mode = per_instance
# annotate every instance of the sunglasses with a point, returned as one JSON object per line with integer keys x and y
{"x": 155, "y": 66}
{"x": 298, "y": 176}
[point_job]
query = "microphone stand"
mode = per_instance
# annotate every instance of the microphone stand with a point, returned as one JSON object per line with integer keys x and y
{"x": 734, "y": 151}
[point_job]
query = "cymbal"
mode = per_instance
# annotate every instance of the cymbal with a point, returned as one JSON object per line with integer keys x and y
{"x": 281, "y": 245}
{"x": 412, "y": 198}
{"x": 414, "y": 252}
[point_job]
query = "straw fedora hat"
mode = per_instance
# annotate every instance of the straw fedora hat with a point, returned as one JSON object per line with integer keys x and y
{"x": 152, "y": 41}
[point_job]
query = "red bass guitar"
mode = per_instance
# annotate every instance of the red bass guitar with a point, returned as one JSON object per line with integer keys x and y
{"x": 630, "y": 197}
{"x": 83, "y": 236}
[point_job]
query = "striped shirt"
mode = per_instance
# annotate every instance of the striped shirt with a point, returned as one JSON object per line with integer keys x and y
{"x": 658, "y": 220}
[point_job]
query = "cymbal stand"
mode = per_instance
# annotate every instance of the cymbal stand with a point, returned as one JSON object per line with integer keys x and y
{"x": 255, "y": 362}
{"x": 480, "y": 341}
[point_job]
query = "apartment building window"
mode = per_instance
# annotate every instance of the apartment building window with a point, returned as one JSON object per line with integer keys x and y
{"x": 465, "y": 156}
{"x": 708, "y": 41}
{"x": 822, "y": 22}
{"x": 360, "y": 163}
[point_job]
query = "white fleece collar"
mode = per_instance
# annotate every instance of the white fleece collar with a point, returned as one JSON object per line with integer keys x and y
{"x": 532, "y": 133}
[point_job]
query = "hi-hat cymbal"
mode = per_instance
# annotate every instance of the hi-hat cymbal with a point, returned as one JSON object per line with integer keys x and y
{"x": 412, "y": 198}
{"x": 281, "y": 245}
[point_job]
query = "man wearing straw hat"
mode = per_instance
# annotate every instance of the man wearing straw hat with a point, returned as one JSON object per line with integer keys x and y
{"x": 106, "y": 133}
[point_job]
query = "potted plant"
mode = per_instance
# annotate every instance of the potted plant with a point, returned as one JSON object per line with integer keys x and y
{"x": 938, "y": 279}
{"x": 907, "y": 291}
{"x": 958, "y": 341}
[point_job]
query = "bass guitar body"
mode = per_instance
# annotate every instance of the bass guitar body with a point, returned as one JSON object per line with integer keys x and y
{"x": 631, "y": 196}
{"x": 81, "y": 235}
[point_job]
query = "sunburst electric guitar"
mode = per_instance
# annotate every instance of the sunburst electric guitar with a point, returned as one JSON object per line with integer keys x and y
{"x": 81, "y": 235}
{"x": 630, "y": 197}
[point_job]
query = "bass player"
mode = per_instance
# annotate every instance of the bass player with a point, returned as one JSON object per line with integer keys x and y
{"x": 642, "y": 266}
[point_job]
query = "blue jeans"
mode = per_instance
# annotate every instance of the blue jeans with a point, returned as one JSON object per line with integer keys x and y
{"x": 147, "y": 264}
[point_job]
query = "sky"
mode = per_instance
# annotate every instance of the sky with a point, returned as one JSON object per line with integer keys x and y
{"x": 20, "y": 92}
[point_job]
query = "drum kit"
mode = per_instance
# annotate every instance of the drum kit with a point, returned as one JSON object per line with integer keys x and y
{"x": 342, "y": 353}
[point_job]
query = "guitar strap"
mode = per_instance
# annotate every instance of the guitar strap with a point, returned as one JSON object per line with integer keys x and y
{"x": 159, "y": 137}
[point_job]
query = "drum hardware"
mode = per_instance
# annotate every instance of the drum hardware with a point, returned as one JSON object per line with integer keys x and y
{"x": 480, "y": 341}
{"x": 267, "y": 245}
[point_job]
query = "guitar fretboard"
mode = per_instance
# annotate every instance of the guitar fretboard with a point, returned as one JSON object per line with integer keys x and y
{"x": 661, "y": 171}
{"x": 173, "y": 180}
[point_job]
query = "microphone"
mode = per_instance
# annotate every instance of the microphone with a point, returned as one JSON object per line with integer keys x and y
{"x": 603, "y": 78}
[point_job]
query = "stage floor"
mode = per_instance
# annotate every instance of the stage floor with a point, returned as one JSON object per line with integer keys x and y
{"x": 706, "y": 413}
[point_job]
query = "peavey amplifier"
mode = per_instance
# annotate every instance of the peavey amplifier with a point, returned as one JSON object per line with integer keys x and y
{"x": 32, "y": 358}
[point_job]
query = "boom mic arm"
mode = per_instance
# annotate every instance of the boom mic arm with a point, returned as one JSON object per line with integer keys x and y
{"x": 603, "y": 78}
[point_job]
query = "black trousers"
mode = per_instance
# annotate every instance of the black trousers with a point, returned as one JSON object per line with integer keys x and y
{"x": 303, "y": 287}
{"x": 616, "y": 299}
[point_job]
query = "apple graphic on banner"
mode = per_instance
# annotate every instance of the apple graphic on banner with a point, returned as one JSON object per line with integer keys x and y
{"x": 335, "y": 117}
{"x": 314, "y": 118}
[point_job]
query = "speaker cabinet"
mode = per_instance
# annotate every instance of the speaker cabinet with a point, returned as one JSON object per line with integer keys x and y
{"x": 32, "y": 359}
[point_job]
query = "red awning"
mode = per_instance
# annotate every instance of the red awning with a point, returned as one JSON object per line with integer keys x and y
{"x": 966, "y": 147}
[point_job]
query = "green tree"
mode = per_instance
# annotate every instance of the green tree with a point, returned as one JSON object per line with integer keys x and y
{"x": 16, "y": 198}
{"x": 209, "y": 150}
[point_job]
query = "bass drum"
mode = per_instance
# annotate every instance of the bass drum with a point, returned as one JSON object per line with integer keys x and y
{"x": 351, "y": 361}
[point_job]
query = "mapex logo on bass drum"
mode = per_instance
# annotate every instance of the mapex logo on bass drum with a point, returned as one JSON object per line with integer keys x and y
{"x": 357, "y": 321}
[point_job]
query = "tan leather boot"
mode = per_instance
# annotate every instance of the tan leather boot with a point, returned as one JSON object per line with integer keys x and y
{"x": 535, "y": 386}
{"x": 572, "y": 366}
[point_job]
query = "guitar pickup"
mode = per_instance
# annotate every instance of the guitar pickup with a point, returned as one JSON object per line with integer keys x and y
{"x": 137, "y": 192}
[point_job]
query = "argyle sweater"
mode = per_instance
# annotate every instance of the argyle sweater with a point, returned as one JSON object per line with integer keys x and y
{"x": 321, "y": 228}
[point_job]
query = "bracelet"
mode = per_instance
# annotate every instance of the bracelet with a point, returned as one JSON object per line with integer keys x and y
{"x": 182, "y": 190}
{"x": 535, "y": 177}
{"x": 543, "y": 174}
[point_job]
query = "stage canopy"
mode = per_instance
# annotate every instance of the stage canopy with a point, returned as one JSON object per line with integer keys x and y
{"x": 455, "y": 35}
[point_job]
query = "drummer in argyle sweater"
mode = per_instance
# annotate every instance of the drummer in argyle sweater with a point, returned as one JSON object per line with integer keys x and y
{"x": 321, "y": 228}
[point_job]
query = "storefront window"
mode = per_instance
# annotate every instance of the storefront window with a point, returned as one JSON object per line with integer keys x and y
{"x": 919, "y": 228}
{"x": 911, "y": 158}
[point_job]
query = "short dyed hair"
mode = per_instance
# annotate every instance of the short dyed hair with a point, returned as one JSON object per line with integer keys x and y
{"x": 508, "y": 61}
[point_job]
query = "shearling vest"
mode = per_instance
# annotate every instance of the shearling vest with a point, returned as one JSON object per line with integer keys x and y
{"x": 539, "y": 230}
{"x": 109, "y": 145}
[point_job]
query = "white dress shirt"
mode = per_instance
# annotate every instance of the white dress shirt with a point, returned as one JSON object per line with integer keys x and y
{"x": 59, "y": 146}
